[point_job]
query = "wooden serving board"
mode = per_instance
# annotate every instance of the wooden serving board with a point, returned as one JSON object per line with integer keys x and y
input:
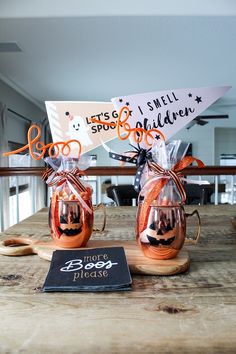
{"x": 138, "y": 263}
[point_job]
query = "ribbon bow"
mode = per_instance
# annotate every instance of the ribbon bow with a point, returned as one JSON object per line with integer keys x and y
{"x": 63, "y": 176}
{"x": 139, "y": 157}
{"x": 71, "y": 178}
{"x": 175, "y": 173}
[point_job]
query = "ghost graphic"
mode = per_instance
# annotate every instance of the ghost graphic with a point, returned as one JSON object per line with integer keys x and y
{"x": 78, "y": 129}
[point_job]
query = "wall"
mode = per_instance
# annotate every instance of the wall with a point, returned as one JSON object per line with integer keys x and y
{"x": 17, "y": 128}
{"x": 225, "y": 142}
{"x": 104, "y": 160}
{"x": 203, "y": 137}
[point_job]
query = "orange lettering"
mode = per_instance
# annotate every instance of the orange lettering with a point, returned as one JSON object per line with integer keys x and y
{"x": 42, "y": 148}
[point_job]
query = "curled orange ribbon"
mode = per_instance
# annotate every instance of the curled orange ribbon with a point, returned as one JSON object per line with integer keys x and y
{"x": 137, "y": 133}
{"x": 42, "y": 148}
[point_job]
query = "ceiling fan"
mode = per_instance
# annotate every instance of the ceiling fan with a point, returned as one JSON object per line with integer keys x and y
{"x": 203, "y": 120}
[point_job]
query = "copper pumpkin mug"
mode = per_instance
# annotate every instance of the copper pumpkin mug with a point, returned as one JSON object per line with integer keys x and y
{"x": 72, "y": 224}
{"x": 165, "y": 231}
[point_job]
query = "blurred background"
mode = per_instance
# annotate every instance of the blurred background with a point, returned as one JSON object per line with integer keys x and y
{"x": 96, "y": 50}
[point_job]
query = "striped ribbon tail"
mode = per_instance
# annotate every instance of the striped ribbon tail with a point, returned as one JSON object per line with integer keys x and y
{"x": 179, "y": 184}
{"x": 72, "y": 177}
{"x": 47, "y": 173}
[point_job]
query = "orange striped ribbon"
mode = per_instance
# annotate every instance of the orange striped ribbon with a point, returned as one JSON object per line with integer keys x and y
{"x": 63, "y": 176}
{"x": 169, "y": 173}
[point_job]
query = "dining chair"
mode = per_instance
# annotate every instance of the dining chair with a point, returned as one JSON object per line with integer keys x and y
{"x": 123, "y": 194}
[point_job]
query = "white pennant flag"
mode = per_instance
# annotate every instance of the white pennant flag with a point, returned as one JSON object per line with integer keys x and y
{"x": 72, "y": 120}
{"x": 168, "y": 111}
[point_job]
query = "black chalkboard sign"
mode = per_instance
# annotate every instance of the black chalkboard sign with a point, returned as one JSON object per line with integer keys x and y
{"x": 97, "y": 269}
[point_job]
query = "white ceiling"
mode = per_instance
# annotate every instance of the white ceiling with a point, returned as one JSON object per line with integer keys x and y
{"x": 95, "y": 50}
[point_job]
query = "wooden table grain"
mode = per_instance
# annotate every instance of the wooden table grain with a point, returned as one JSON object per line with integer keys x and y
{"x": 193, "y": 312}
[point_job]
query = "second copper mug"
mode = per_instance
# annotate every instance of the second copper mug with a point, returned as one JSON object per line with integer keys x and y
{"x": 164, "y": 232}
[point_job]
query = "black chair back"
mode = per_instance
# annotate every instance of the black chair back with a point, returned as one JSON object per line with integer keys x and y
{"x": 195, "y": 194}
{"x": 122, "y": 194}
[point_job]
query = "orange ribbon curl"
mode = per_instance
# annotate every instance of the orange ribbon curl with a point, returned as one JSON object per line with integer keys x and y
{"x": 40, "y": 146}
{"x": 137, "y": 133}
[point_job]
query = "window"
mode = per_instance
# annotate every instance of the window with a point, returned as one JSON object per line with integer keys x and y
{"x": 20, "y": 202}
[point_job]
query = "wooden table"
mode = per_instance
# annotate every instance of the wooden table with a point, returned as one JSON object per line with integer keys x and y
{"x": 193, "y": 312}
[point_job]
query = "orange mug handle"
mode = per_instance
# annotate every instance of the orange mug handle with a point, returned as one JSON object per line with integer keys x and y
{"x": 101, "y": 206}
{"x": 189, "y": 240}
